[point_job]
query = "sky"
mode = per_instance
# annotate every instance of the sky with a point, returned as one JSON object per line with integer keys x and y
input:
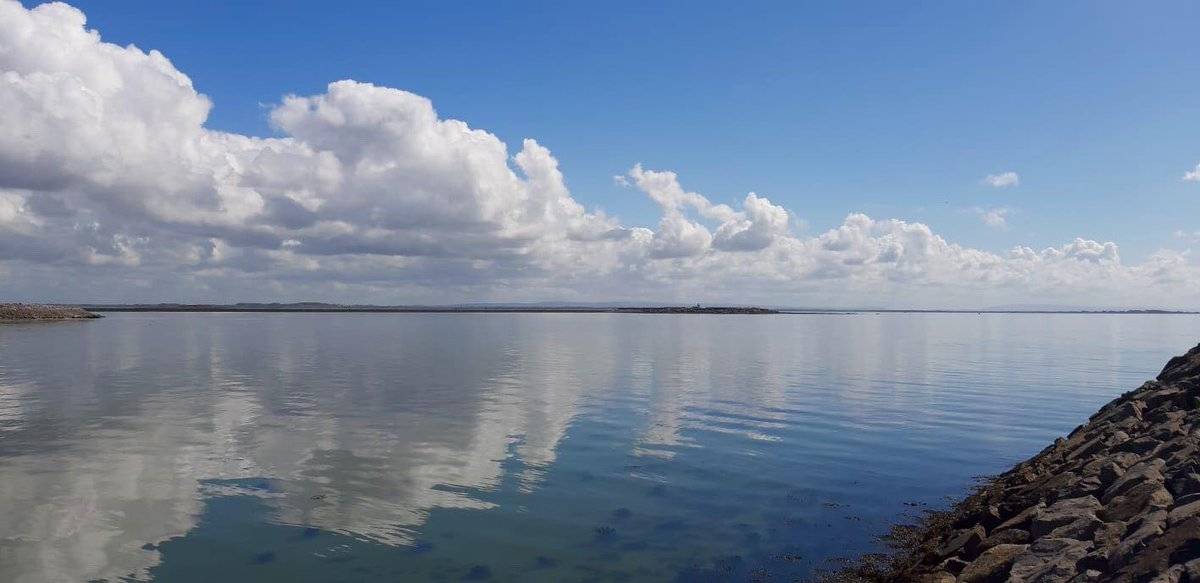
{"x": 925, "y": 155}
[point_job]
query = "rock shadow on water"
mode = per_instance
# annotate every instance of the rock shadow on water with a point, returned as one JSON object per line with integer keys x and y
{"x": 478, "y": 573}
{"x": 604, "y": 534}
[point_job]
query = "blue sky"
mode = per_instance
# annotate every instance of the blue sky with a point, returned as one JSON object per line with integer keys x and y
{"x": 826, "y": 108}
{"x": 866, "y": 130}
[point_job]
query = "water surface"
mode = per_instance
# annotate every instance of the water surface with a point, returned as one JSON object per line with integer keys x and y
{"x": 521, "y": 447}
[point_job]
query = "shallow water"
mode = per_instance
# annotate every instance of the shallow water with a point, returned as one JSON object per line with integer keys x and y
{"x": 521, "y": 447}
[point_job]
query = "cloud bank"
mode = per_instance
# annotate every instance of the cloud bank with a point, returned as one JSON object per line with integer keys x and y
{"x": 112, "y": 189}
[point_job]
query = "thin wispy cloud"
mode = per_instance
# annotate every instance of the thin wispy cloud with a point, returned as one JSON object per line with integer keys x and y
{"x": 1189, "y": 237}
{"x": 997, "y": 218}
{"x": 1002, "y": 180}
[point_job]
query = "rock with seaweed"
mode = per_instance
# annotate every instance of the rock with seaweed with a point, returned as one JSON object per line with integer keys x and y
{"x": 1117, "y": 500}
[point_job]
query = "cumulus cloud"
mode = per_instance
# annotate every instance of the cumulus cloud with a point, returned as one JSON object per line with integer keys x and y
{"x": 755, "y": 227}
{"x": 112, "y": 188}
{"x": 1192, "y": 175}
{"x": 1002, "y": 180}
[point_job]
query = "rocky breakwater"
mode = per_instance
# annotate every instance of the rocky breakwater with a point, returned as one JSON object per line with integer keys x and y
{"x": 33, "y": 312}
{"x": 1117, "y": 500}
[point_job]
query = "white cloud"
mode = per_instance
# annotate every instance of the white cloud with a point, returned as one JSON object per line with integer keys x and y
{"x": 111, "y": 188}
{"x": 755, "y": 227}
{"x": 1192, "y": 175}
{"x": 997, "y": 217}
{"x": 1002, "y": 180}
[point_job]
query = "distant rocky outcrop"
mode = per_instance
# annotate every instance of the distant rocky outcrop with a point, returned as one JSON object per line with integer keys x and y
{"x": 467, "y": 308}
{"x": 1118, "y": 500}
{"x": 24, "y": 312}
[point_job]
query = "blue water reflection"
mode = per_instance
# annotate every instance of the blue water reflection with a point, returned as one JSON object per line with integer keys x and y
{"x": 521, "y": 447}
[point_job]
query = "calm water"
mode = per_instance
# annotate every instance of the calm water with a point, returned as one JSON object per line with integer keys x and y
{"x": 521, "y": 447}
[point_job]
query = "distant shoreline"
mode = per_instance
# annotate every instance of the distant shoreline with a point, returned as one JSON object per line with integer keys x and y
{"x": 43, "y": 313}
{"x": 517, "y": 309}
{"x": 428, "y": 309}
